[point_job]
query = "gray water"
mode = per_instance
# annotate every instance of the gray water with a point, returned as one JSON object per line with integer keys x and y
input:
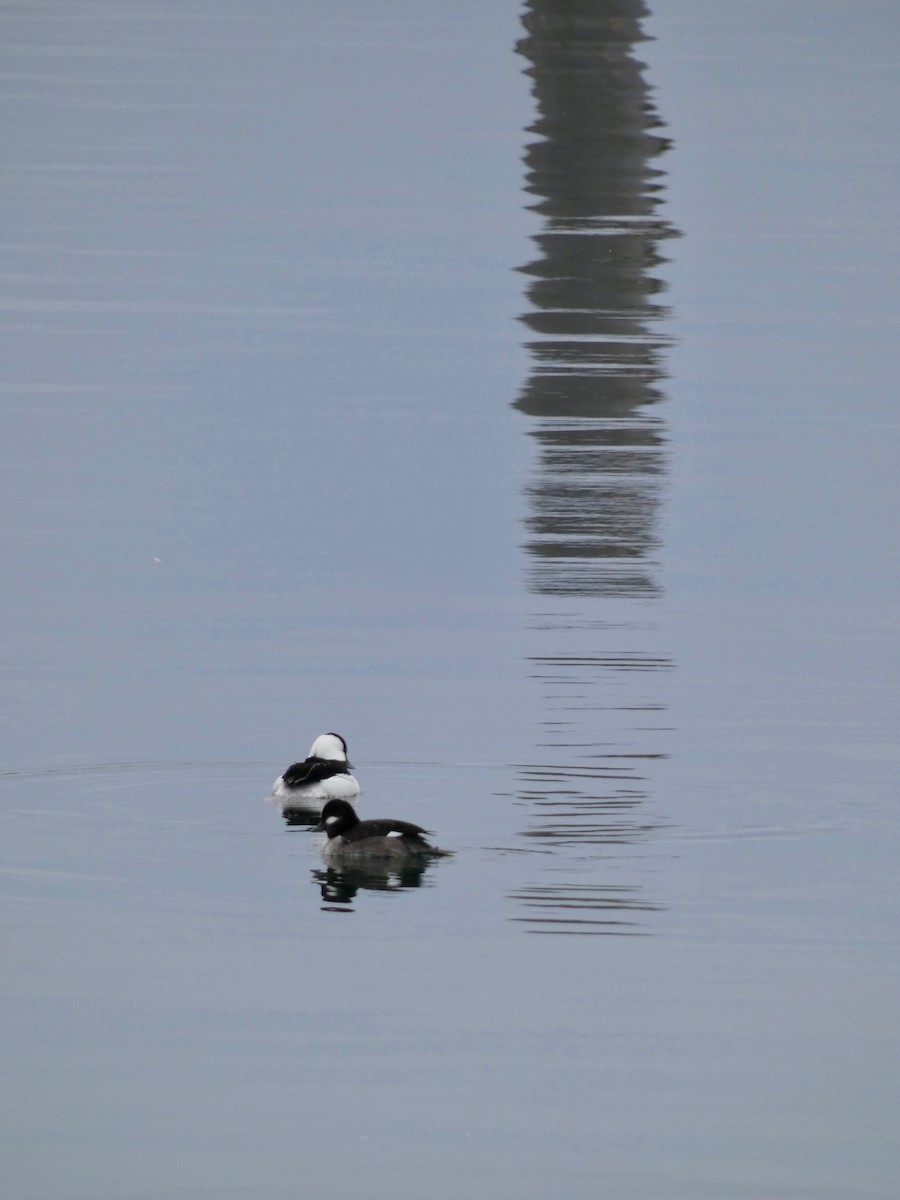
{"x": 516, "y": 395}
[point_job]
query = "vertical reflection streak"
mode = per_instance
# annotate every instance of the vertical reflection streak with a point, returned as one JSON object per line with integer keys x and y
{"x": 597, "y": 486}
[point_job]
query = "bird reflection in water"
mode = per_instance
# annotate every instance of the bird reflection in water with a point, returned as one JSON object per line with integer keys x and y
{"x": 302, "y": 818}
{"x": 341, "y": 886}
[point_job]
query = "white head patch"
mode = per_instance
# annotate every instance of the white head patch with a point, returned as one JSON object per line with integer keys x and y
{"x": 330, "y": 747}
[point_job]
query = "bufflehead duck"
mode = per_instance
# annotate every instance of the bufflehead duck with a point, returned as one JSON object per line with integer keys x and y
{"x": 353, "y": 842}
{"x": 323, "y": 775}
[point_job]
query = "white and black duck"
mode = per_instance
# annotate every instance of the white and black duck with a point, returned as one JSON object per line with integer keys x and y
{"x": 352, "y": 842}
{"x": 323, "y": 775}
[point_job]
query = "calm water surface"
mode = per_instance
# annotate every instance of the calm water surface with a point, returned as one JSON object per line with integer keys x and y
{"x": 516, "y": 395}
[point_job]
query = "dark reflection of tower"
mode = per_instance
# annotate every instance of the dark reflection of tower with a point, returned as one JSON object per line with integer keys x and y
{"x": 595, "y": 495}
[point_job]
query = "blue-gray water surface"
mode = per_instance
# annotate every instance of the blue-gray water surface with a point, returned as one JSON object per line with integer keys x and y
{"x": 512, "y": 388}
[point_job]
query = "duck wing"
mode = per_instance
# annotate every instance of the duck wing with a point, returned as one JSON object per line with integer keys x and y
{"x": 384, "y": 828}
{"x": 312, "y": 770}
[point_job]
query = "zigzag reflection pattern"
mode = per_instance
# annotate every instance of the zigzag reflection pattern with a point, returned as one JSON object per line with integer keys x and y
{"x": 598, "y": 481}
